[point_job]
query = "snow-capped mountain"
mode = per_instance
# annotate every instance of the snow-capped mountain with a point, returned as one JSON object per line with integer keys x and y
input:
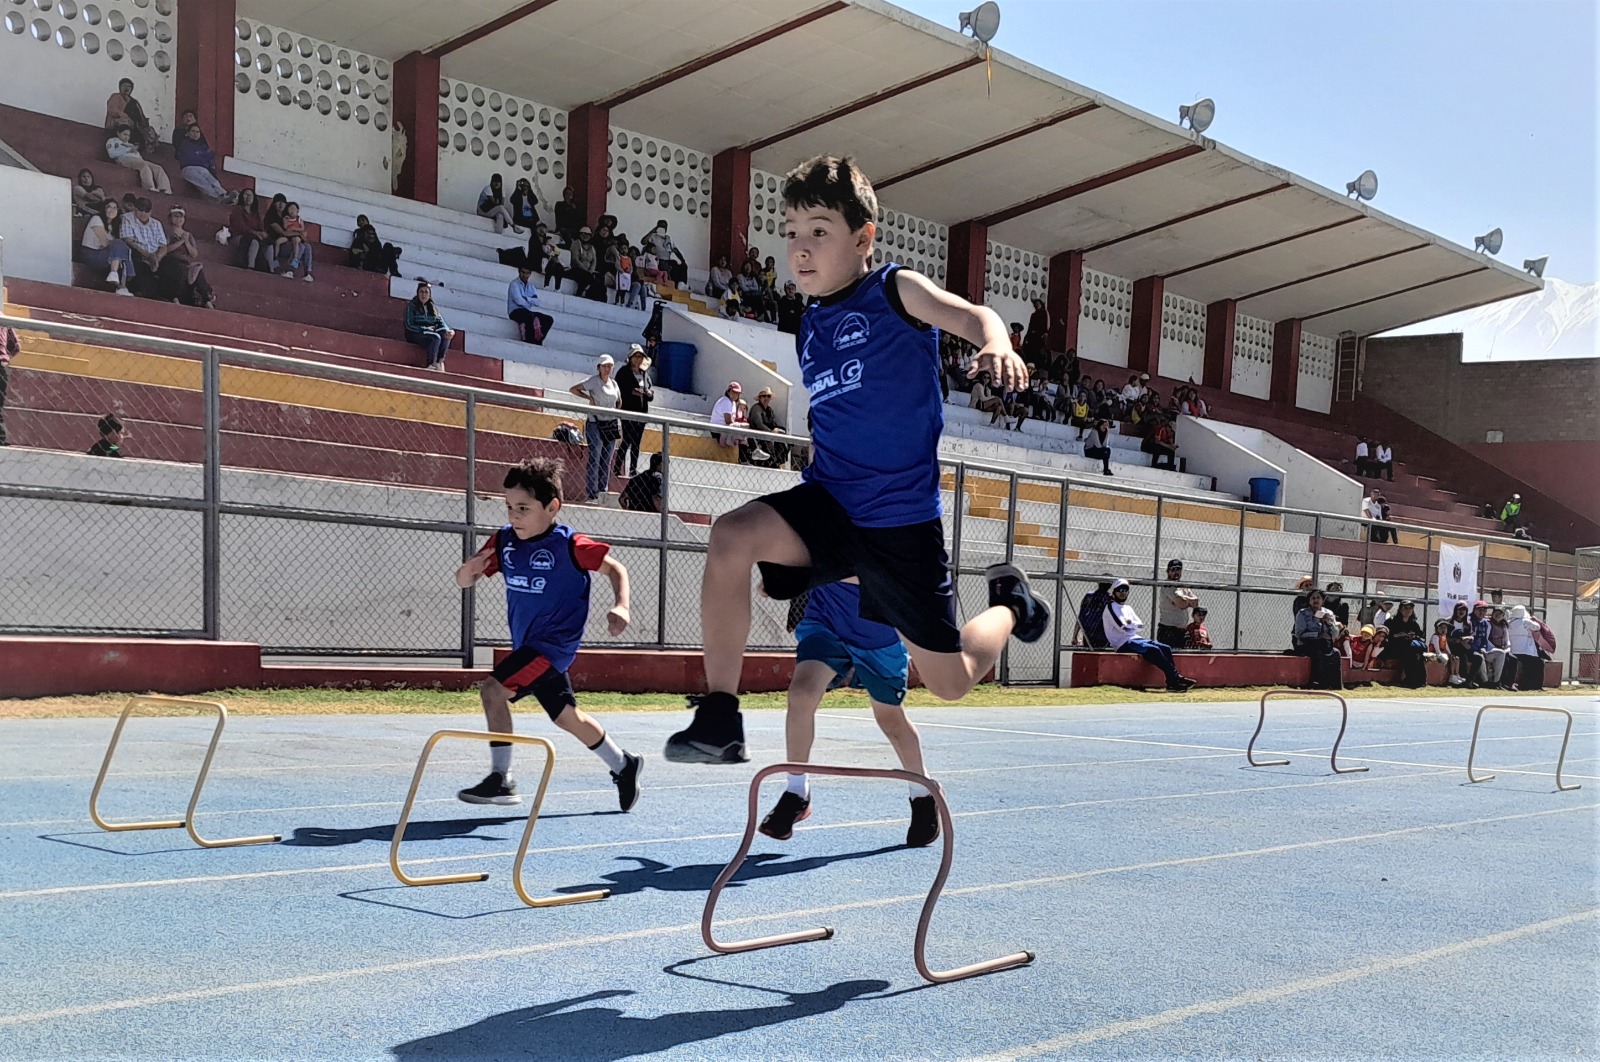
{"x": 1558, "y": 322}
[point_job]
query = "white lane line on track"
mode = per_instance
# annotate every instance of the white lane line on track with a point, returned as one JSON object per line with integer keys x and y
{"x": 1272, "y": 994}
{"x": 61, "y": 890}
{"x": 410, "y": 966}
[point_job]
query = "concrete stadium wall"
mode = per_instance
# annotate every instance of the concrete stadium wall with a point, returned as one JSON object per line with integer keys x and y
{"x": 37, "y": 241}
{"x": 81, "y": 61}
{"x": 1314, "y": 386}
{"x": 653, "y": 180}
{"x": 1252, "y": 358}
{"x": 1312, "y": 485}
{"x": 488, "y": 132}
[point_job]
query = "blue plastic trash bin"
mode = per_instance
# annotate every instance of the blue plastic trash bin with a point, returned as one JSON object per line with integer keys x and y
{"x": 676, "y": 368}
{"x": 1264, "y": 491}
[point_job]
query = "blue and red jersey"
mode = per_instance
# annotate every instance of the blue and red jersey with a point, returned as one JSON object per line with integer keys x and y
{"x": 547, "y": 587}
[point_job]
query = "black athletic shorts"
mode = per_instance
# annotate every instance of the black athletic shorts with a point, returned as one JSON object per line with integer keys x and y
{"x": 526, "y": 671}
{"x": 904, "y": 571}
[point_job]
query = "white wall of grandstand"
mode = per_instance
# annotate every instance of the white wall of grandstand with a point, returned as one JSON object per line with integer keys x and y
{"x": 1314, "y": 387}
{"x": 482, "y": 132}
{"x": 1183, "y": 338}
{"x": 766, "y": 221}
{"x": 1012, "y": 279}
{"x": 81, "y": 50}
{"x": 1104, "y": 311}
{"x": 1252, "y": 357}
{"x": 313, "y": 107}
{"x": 653, "y": 180}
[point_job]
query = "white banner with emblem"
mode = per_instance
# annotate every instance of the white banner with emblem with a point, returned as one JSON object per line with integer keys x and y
{"x": 1458, "y": 577}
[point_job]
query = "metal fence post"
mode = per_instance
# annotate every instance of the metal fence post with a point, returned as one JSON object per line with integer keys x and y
{"x": 1061, "y": 580}
{"x": 1011, "y": 556}
{"x": 1316, "y": 552}
{"x": 469, "y": 538}
{"x": 1427, "y": 581}
{"x": 211, "y": 530}
{"x": 1238, "y": 578}
{"x": 958, "y": 499}
{"x": 666, "y": 525}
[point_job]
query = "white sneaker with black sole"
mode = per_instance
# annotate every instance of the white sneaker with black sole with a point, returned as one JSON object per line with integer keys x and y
{"x": 496, "y": 788}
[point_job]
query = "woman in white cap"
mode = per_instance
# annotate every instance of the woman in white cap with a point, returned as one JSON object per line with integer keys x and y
{"x": 602, "y": 430}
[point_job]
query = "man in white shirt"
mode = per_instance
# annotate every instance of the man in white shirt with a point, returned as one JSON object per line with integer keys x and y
{"x": 1383, "y": 462}
{"x": 1125, "y": 634}
{"x": 1363, "y": 457}
{"x": 1173, "y": 603}
{"x": 1380, "y": 618}
{"x": 1131, "y": 393}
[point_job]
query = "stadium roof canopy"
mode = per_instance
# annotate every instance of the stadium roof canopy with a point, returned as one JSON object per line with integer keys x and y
{"x": 1048, "y": 165}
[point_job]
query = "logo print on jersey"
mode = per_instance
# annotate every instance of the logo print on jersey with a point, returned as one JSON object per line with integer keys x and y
{"x": 852, "y": 332}
{"x": 831, "y": 383}
{"x": 542, "y": 561}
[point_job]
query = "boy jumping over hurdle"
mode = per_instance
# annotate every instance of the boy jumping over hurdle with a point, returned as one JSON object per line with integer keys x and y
{"x": 869, "y": 505}
{"x": 836, "y": 648}
{"x": 546, "y": 566}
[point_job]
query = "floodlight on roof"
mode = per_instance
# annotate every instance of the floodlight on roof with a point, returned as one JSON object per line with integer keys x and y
{"x": 1536, "y": 265}
{"x": 1489, "y": 242}
{"x": 1363, "y": 187}
{"x": 1199, "y": 114}
{"x": 983, "y": 21}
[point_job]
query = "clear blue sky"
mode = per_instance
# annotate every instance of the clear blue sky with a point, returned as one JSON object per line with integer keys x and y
{"x": 1474, "y": 113}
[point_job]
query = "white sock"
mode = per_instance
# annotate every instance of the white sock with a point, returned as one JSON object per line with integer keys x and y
{"x": 919, "y": 791}
{"x": 500, "y": 757}
{"x": 610, "y": 753}
{"x": 800, "y": 786}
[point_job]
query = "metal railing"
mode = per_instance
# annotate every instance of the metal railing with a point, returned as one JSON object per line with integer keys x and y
{"x": 319, "y": 509}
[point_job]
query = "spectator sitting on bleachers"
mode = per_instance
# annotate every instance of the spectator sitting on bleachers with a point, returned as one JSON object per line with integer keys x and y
{"x": 294, "y": 249}
{"x": 791, "y": 307}
{"x": 524, "y": 204}
{"x": 725, "y": 412}
{"x": 522, "y": 306}
{"x": 569, "y": 219}
{"x": 1016, "y": 337}
{"x": 111, "y": 437}
{"x": 720, "y": 279}
{"x": 1161, "y": 442}
{"x": 426, "y": 328}
{"x": 124, "y": 152}
{"x": 1195, "y": 635}
{"x": 1383, "y": 461}
{"x": 249, "y": 233}
{"x": 669, "y": 258}
{"x": 87, "y": 195}
{"x": 145, "y": 238}
{"x": 1080, "y": 411}
{"x": 369, "y": 253}
{"x": 1337, "y": 604}
{"x": 180, "y": 132}
{"x": 1511, "y": 514}
{"x": 1315, "y": 634}
{"x": 492, "y": 205}
{"x": 986, "y": 401}
{"x": 179, "y": 269}
{"x": 752, "y": 293}
{"x": 10, "y": 347}
{"x": 1438, "y": 650}
{"x": 1405, "y": 646}
{"x": 1500, "y": 645}
{"x": 764, "y": 418}
{"x": 1469, "y": 663}
{"x": 544, "y": 251}
{"x": 102, "y": 247}
{"x": 585, "y": 268}
{"x": 1132, "y": 394}
{"x": 1097, "y": 446}
{"x": 1366, "y": 645}
{"x": 1090, "y": 630}
{"x": 643, "y": 492}
{"x": 1125, "y": 633}
{"x": 123, "y": 109}
{"x": 640, "y": 290}
{"x": 199, "y": 165}
{"x": 619, "y": 260}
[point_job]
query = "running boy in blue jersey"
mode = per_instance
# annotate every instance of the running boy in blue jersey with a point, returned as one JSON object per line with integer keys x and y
{"x": 869, "y": 504}
{"x": 546, "y": 566}
{"x": 838, "y": 647}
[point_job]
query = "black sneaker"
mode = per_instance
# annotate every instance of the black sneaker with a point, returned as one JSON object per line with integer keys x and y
{"x": 924, "y": 828}
{"x": 1008, "y": 586}
{"x": 715, "y": 735}
{"x": 779, "y": 823}
{"x": 627, "y": 781}
{"x": 1183, "y": 685}
{"x": 497, "y": 788}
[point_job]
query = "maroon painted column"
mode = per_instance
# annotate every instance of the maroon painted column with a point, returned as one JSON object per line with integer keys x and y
{"x": 1064, "y": 298}
{"x": 204, "y": 71}
{"x": 1221, "y": 318}
{"x": 416, "y": 110}
{"x": 730, "y": 206}
{"x": 969, "y": 258}
{"x": 1285, "y": 361}
{"x": 588, "y": 138}
{"x": 1144, "y": 327}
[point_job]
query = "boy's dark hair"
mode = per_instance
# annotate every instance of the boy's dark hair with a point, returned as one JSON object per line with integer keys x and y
{"x": 832, "y": 183}
{"x": 655, "y": 462}
{"x": 1198, "y": 612}
{"x": 539, "y": 476}
{"x": 108, "y": 424}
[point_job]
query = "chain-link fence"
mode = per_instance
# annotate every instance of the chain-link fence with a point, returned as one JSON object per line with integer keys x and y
{"x": 1583, "y": 659}
{"x": 321, "y": 509}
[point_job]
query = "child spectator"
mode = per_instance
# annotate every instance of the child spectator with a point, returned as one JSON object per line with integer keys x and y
{"x": 426, "y": 328}
{"x": 124, "y": 152}
{"x": 1195, "y": 635}
{"x": 199, "y": 165}
{"x": 10, "y": 347}
{"x": 87, "y": 195}
{"x": 492, "y": 205}
{"x": 869, "y": 504}
{"x": 547, "y": 569}
{"x": 181, "y": 273}
{"x": 643, "y": 492}
{"x": 1366, "y": 646}
{"x": 369, "y": 253}
{"x": 1438, "y": 651}
{"x": 522, "y": 306}
{"x": 1015, "y": 338}
{"x": 248, "y": 231}
{"x": 839, "y": 648}
{"x": 111, "y": 437}
{"x": 296, "y": 249}
{"x": 102, "y": 247}
{"x": 123, "y": 110}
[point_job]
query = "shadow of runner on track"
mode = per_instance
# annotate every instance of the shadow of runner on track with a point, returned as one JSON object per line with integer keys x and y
{"x": 430, "y": 830}
{"x": 698, "y": 877}
{"x": 606, "y": 1034}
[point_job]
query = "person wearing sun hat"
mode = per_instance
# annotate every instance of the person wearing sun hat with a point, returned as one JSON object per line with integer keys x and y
{"x": 637, "y": 392}
{"x": 764, "y": 418}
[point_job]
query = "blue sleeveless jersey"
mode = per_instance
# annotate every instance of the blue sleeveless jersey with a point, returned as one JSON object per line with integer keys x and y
{"x": 837, "y": 606}
{"x": 547, "y": 588}
{"x": 876, "y": 406}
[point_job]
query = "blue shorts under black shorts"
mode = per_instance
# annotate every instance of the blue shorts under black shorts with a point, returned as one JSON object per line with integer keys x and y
{"x": 881, "y": 672}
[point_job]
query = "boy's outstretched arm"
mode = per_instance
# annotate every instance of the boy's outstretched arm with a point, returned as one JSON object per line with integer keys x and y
{"x": 978, "y": 325}
{"x": 617, "y": 619}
